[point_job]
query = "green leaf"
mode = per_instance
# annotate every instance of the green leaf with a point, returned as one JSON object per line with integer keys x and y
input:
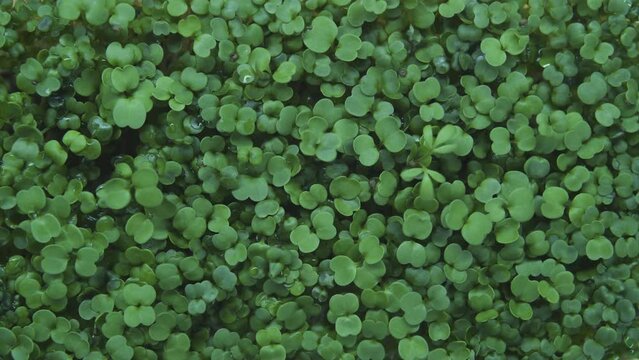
{"x": 31, "y": 199}
{"x": 321, "y": 35}
{"x": 284, "y": 73}
{"x": 599, "y": 248}
{"x": 114, "y": 194}
{"x": 593, "y": 89}
{"x": 413, "y": 348}
{"x": 513, "y": 42}
{"x": 476, "y": 228}
{"x": 140, "y": 228}
{"x": 129, "y": 112}
{"x": 304, "y": 239}
{"x": 492, "y": 49}
{"x": 344, "y": 269}
{"x": 125, "y": 78}
{"x": 55, "y": 259}
{"x": 45, "y": 227}
{"x": 203, "y": 45}
{"x": 364, "y": 147}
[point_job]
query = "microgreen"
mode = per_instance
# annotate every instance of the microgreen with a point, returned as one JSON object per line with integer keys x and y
{"x": 319, "y": 179}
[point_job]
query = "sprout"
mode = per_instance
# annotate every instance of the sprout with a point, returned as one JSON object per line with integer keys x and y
{"x": 319, "y": 179}
{"x": 321, "y": 35}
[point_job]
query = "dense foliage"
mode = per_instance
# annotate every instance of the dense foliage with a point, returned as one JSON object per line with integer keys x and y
{"x": 319, "y": 179}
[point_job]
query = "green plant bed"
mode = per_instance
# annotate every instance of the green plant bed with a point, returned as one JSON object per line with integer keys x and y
{"x": 319, "y": 179}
